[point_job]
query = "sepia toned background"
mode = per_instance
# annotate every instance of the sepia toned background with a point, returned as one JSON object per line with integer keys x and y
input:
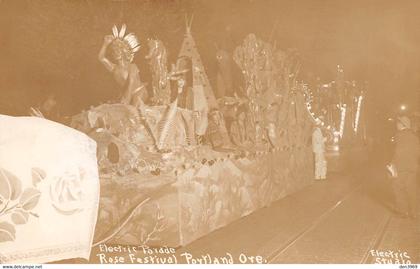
{"x": 51, "y": 46}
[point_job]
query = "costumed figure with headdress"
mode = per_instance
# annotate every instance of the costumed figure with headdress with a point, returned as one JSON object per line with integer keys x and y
{"x": 125, "y": 72}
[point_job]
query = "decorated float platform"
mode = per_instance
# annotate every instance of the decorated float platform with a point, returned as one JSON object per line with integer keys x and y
{"x": 172, "y": 171}
{"x": 161, "y": 185}
{"x": 175, "y": 197}
{"x": 204, "y": 197}
{"x": 183, "y": 208}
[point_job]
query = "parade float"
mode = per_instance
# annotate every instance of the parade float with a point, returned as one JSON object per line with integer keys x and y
{"x": 180, "y": 167}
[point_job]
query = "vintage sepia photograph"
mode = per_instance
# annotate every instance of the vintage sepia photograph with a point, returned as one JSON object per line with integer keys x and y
{"x": 209, "y": 132}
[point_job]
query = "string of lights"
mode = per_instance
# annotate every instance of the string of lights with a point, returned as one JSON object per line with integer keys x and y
{"x": 359, "y": 105}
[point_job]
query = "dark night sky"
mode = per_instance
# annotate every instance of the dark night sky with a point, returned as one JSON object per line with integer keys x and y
{"x": 51, "y": 45}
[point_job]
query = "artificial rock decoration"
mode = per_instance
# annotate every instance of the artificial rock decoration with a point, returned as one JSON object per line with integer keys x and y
{"x": 118, "y": 128}
{"x": 276, "y": 105}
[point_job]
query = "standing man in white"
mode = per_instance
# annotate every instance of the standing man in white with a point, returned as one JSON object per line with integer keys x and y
{"x": 318, "y": 147}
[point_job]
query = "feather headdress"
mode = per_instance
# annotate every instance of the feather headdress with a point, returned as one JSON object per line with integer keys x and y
{"x": 124, "y": 45}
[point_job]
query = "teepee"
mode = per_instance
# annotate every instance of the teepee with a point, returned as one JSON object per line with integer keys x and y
{"x": 199, "y": 77}
{"x": 189, "y": 50}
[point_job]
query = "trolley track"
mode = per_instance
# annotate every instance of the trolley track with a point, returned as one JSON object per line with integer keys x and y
{"x": 377, "y": 240}
{"x": 276, "y": 253}
{"x": 378, "y": 230}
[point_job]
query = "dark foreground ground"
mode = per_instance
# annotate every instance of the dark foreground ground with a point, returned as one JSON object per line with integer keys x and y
{"x": 345, "y": 219}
